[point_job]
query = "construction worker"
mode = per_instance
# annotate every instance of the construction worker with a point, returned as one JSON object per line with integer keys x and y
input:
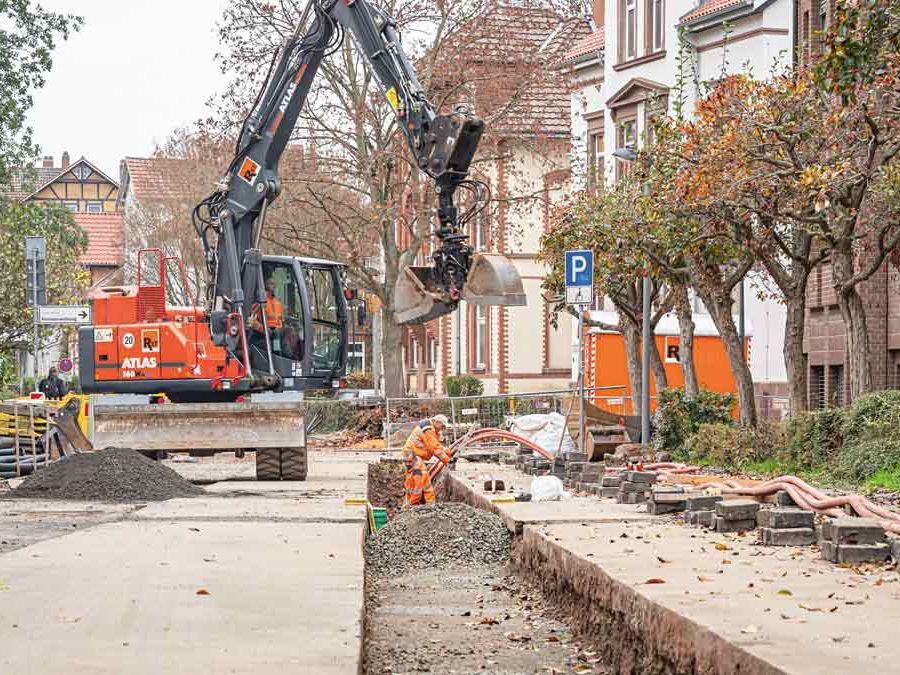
{"x": 423, "y": 443}
{"x": 274, "y": 310}
{"x": 418, "y": 482}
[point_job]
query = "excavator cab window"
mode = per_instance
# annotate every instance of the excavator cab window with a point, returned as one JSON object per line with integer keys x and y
{"x": 326, "y": 314}
{"x": 287, "y": 339}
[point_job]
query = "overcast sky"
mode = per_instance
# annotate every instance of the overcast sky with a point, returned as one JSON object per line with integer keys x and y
{"x": 136, "y": 71}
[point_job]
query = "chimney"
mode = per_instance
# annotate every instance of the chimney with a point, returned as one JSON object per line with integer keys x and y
{"x": 598, "y": 8}
{"x": 65, "y": 160}
{"x": 48, "y": 161}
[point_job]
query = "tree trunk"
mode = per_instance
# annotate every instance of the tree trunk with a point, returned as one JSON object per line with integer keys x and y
{"x": 392, "y": 355}
{"x": 858, "y": 361}
{"x": 631, "y": 334}
{"x": 794, "y": 358}
{"x": 656, "y": 366}
{"x": 737, "y": 359}
{"x": 686, "y": 350}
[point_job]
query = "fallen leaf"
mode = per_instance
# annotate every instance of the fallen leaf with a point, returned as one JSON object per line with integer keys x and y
{"x": 785, "y": 592}
{"x": 581, "y": 668}
{"x": 839, "y": 639}
{"x": 655, "y": 580}
{"x": 194, "y": 529}
{"x": 488, "y": 621}
{"x": 663, "y": 560}
{"x": 721, "y": 547}
{"x": 726, "y": 561}
{"x": 785, "y": 617}
{"x": 700, "y": 577}
{"x": 750, "y": 630}
{"x": 552, "y": 638}
{"x": 69, "y": 619}
{"x": 203, "y": 591}
{"x": 817, "y": 609}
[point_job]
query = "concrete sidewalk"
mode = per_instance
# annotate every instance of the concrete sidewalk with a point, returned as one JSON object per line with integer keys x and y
{"x": 697, "y": 601}
{"x": 242, "y": 583}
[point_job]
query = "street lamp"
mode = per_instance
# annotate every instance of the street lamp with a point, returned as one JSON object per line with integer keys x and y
{"x": 628, "y": 154}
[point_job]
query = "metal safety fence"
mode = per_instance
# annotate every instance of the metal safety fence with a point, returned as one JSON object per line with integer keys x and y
{"x": 492, "y": 410}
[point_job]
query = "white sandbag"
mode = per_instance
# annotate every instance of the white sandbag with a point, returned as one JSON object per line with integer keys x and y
{"x": 547, "y": 489}
{"x": 544, "y": 430}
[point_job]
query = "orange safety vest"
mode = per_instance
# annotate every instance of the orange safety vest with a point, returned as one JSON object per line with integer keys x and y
{"x": 425, "y": 443}
{"x": 418, "y": 484}
{"x": 274, "y": 314}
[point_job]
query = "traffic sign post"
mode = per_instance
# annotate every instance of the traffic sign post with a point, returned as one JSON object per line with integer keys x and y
{"x": 580, "y": 293}
{"x": 64, "y": 315}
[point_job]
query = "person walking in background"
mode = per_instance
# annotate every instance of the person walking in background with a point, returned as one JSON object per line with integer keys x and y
{"x": 52, "y": 386}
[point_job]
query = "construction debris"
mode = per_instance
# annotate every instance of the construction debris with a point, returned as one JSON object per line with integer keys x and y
{"x": 110, "y": 475}
{"x": 385, "y": 486}
{"x": 438, "y": 536}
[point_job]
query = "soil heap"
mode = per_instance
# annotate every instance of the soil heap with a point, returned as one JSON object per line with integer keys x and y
{"x": 438, "y": 536}
{"x": 110, "y": 475}
{"x": 385, "y": 486}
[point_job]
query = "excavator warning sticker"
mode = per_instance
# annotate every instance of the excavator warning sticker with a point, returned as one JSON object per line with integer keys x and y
{"x": 103, "y": 335}
{"x": 249, "y": 171}
{"x": 392, "y": 98}
{"x": 150, "y": 340}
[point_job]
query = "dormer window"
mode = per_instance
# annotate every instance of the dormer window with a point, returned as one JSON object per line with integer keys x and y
{"x": 82, "y": 171}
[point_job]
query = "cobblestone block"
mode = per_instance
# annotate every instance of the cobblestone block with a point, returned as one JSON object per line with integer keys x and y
{"x": 648, "y": 477}
{"x": 667, "y": 498}
{"x": 738, "y": 509}
{"x": 855, "y": 553}
{"x": 661, "y": 508}
{"x": 610, "y": 481}
{"x": 782, "y": 498}
{"x": 792, "y": 536}
{"x": 701, "y": 518}
{"x": 785, "y": 518}
{"x": 632, "y": 498}
{"x": 701, "y": 502}
{"x": 853, "y": 531}
{"x": 609, "y": 492}
{"x": 627, "y": 486}
{"x": 724, "y": 525}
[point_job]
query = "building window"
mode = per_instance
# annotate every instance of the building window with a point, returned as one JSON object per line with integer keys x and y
{"x": 432, "y": 352}
{"x": 816, "y": 387}
{"x": 804, "y": 38}
{"x": 823, "y": 16}
{"x": 356, "y": 357}
{"x": 480, "y": 231}
{"x": 479, "y": 336}
{"x": 836, "y": 386}
{"x": 658, "y": 24}
{"x": 82, "y": 171}
{"x": 627, "y": 137}
{"x": 414, "y": 351}
{"x": 72, "y": 206}
{"x": 596, "y": 160}
{"x": 629, "y": 30}
{"x": 95, "y": 207}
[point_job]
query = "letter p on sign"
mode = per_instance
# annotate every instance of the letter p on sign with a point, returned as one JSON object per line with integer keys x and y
{"x": 579, "y": 268}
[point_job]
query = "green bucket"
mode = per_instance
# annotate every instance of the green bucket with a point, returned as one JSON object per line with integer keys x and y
{"x": 379, "y": 515}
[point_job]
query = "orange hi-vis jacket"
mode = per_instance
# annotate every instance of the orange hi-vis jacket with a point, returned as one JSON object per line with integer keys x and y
{"x": 274, "y": 314}
{"x": 425, "y": 443}
{"x": 418, "y": 484}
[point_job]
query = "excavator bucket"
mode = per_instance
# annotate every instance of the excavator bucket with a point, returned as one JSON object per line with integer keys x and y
{"x": 492, "y": 280}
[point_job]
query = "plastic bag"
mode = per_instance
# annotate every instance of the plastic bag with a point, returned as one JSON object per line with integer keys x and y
{"x": 547, "y": 489}
{"x": 545, "y": 430}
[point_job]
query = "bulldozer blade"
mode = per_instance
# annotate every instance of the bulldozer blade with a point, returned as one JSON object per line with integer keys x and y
{"x": 415, "y": 298}
{"x": 200, "y": 426}
{"x": 493, "y": 280}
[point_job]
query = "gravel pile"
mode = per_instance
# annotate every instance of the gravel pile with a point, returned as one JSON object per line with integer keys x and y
{"x": 110, "y": 475}
{"x": 438, "y": 536}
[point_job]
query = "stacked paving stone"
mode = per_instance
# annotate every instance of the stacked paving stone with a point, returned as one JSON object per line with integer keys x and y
{"x": 535, "y": 466}
{"x": 635, "y": 486}
{"x": 700, "y": 510}
{"x": 735, "y": 515}
{"x": 667, "y": 499}
{"x": 559, "y": 467}
{"x": 854, "y": 540}
{"x": 610, "y": 485}
{"x": 583, "y": 476}
{"x": 786, "y": 527}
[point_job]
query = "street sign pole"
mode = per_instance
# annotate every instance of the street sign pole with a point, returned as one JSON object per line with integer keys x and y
{"x": 35, "y": 255}
{"x": 580, "y": 294}
{"x": 35, "y": 345}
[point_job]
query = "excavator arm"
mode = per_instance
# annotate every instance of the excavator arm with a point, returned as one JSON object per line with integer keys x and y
{"x": 442, "y": 145}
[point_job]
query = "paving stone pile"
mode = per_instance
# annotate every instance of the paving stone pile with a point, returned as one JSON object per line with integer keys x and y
{"x": 635, "y": 486}
{"x": 786, "y": 526}
{"x": 735, "y": 515}
{"x": 109, "y": 475}
{"x": 854, "y": 540}
{"x": 667, "y": 499}
{"x": 438, "y": 536}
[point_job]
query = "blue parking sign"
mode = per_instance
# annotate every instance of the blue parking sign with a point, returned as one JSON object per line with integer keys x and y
{"x": 579, "y": 268}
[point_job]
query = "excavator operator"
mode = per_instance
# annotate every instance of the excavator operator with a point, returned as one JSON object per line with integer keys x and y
{"x": 274, "y": 310}
{"x": 422, "y": 444}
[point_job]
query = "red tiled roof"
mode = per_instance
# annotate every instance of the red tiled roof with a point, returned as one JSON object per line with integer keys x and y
{"x": 106, "y": 238}
{"x": 158, "y": 177}
{"x": 591, "y": 44}
{"x": 708, "y": 7}
{"x": 506, "y": 57}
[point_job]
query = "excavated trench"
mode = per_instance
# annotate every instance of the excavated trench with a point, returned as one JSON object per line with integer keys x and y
{"x": 444, "y": 596}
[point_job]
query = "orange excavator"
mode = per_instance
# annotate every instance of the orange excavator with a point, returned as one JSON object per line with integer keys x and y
{"x": 153, "y": 337}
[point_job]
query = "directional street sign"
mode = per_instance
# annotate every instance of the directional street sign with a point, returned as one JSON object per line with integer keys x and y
{"x": 63, "y": 314}
{"x": 579, "y": 277}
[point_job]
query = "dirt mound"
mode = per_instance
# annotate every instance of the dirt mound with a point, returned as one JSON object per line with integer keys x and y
{"x": 438, "y": 536}
{"x": 110, "y": 475}
{"x": 385, "y": 487}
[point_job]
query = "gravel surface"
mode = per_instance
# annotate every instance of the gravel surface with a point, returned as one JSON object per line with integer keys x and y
{"x": 110, "y": 475}
{"x": 4, "y": 486}
{"x": 436, "y": 537}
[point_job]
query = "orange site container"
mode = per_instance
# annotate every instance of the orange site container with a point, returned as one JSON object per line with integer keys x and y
{"x": 605, "y": 365}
